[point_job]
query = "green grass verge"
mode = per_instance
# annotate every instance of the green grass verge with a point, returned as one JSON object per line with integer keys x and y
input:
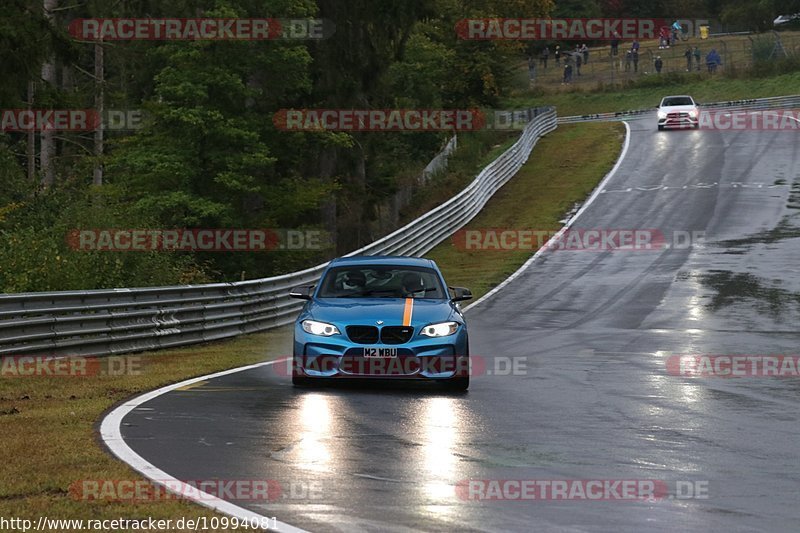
{"x": 50, "y": 438}
{"x": 703, "y": 89}
{"x": 742, "y": 55}
{"x": 547, "y": 186}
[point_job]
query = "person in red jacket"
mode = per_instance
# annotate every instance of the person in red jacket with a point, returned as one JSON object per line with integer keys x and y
{"x": 663, "y": 37}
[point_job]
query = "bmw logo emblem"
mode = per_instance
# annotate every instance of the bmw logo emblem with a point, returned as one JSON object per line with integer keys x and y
{"x": 379, "y": 322}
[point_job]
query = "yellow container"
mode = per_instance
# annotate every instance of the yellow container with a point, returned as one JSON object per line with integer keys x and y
{"x": 704, "y": 31}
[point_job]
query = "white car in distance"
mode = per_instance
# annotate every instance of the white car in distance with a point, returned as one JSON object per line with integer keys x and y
{"x": 678, "y": 112}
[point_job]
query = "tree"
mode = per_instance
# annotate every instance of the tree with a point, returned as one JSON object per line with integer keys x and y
{"x": 48, "y": 152}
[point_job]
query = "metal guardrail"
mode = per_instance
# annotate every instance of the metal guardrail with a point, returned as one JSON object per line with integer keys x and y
{"x": 109, "y": 321}
{"x": 776, "y": 102}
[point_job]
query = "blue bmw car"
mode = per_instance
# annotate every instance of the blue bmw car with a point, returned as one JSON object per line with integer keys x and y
{"x": 381, "y": 317}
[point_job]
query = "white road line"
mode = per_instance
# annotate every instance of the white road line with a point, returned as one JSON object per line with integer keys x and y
{"x": 111, "y": 434}
{"x": 378, "y": 478}
{"x": 597, "y": 191}
{"x": 731, "y": 185}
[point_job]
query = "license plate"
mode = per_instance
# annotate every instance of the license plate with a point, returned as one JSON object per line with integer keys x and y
{"x": 380, "y": 352}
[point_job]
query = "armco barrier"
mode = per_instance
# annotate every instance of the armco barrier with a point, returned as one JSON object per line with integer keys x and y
{"x": 777, "y": 102}
{"x": 99, "y": 322}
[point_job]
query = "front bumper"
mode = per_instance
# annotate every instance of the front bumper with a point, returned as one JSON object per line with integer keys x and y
{"x": 420, "y": 358}
{"x": 678, "y": 121}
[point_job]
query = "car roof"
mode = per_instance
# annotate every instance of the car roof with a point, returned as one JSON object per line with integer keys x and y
{"x": 678, "y": 96}
{"x": 399, "y": 260}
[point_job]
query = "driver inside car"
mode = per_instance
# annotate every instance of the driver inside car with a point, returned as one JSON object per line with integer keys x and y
{"x": 413, "y": 286}
{"x": 354, "y": 281}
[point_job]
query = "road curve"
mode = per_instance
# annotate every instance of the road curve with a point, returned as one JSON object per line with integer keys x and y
{"x": 591, "y": 332}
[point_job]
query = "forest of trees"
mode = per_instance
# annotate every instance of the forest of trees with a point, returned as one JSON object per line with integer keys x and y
{"x": 208, "y": 155}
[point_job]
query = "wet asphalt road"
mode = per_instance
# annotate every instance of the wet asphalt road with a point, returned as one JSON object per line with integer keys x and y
{"x": 594, "y": 401}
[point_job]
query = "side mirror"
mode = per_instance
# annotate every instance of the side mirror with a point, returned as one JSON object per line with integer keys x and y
{"x": 460, "y": 294}
{"x": 302, "y": 293}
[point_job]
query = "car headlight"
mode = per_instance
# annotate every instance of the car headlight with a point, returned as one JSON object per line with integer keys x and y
{"x": 319, "y": 328}
{"x": 693, "y": 113}
{"x": 442, "y": 329}
{"x": 662, "y": 114}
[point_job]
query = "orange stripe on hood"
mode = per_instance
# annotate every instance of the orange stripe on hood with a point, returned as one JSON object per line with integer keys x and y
{"x": 408, "y": 311}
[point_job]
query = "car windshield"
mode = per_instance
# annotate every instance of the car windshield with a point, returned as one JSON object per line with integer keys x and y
{"x": 677, "y": 100}
{"x": 376, "y": 281}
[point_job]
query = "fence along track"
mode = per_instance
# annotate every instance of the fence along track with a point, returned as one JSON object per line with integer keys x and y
{"x": 776, "y": 102}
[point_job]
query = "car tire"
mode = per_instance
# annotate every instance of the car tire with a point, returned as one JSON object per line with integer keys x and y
{"x": 660, "y": 127}
{"x": 457, "y": 384}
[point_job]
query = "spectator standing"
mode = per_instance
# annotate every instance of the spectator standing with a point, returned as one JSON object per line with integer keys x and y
{"x": 585, "y": 52}
{"x": 677, "y": 29}
{"x": 663, "y": 41}
{"x": 658, "y": 64}
{"x": 713, "y": 60}
{"x": 688, "y": 55}
{"x": 628, "y": 58}
{"x": 697, "y": 56}
{"x": 567, "y": 72}
{"x": 635, "y": 57}
{"x": 615, "y": 44}
{"x": 545, "y": 56}
{"x": 557, "y": 55}
{"x": 578, "y": 61}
